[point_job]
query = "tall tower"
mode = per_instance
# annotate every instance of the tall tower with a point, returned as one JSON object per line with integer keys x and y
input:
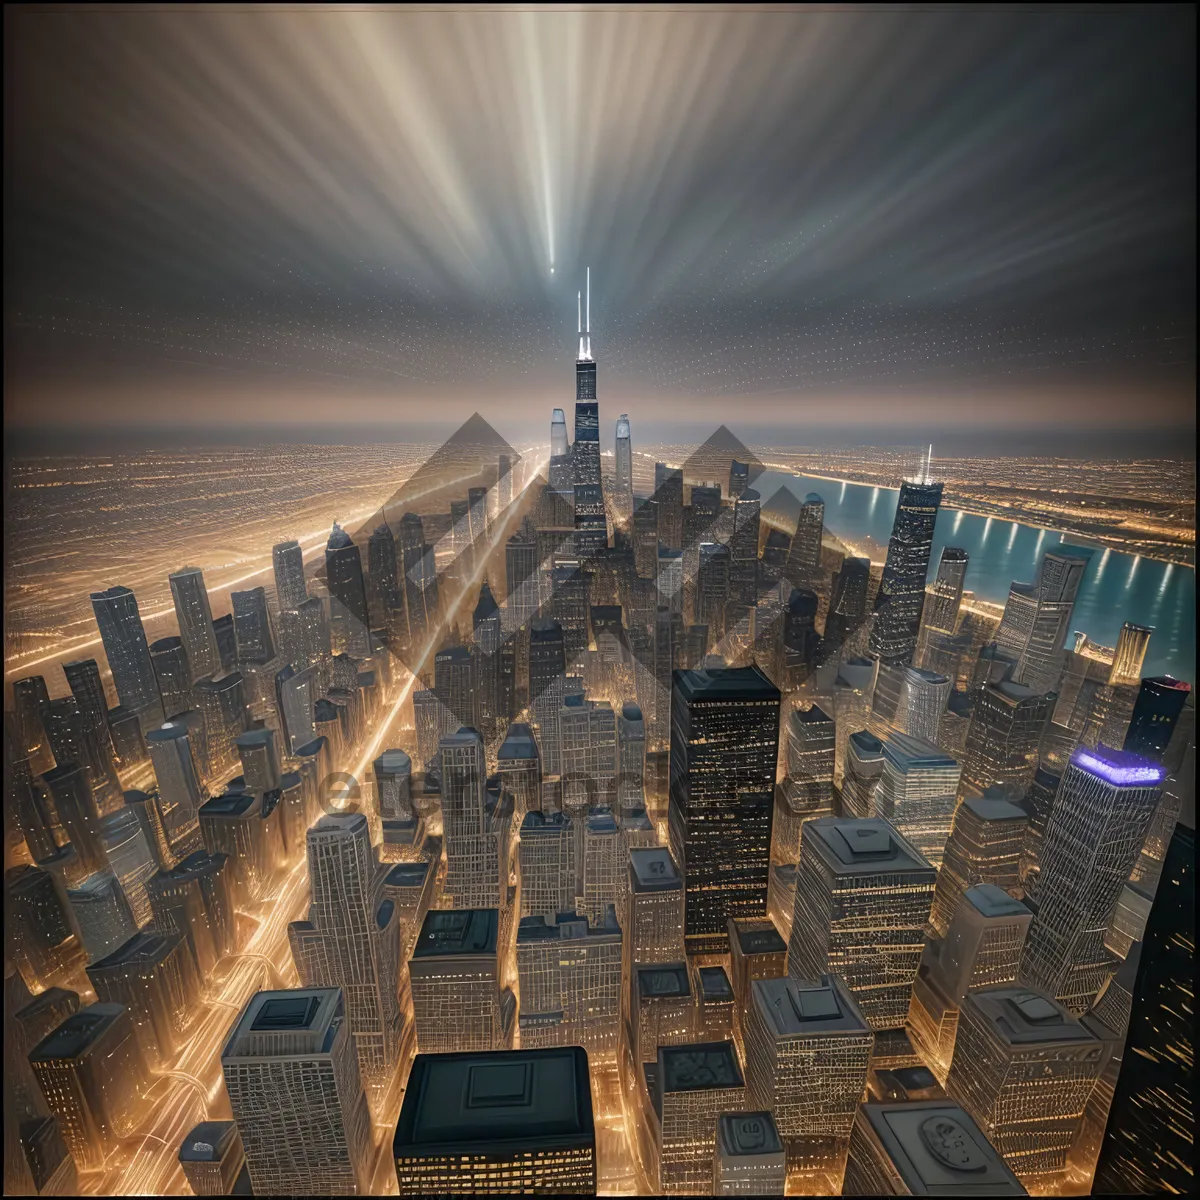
{"x": 624, "y": 457}
{"x": 901, "y": 593}
{"x": 347, "y": 595}
{"x": 587, "y": 410}
{"x": 288, "y": 560}
{"x": 1097, "y": 826}
{"x": 724, "y": 749}
{"x": 351, "y": 940}
{"x": 125, "y": 647}
{"x": 194, "y": 615}
{"x": 296, "y": 1094}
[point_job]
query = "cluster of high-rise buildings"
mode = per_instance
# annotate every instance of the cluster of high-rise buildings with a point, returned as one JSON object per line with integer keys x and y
{"x": 847, "y": 886}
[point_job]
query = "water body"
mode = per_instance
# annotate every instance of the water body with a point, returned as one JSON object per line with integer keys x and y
{"x": 1116, "y": 587}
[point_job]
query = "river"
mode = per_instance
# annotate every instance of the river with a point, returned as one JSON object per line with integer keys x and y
{"x": 1116, "y": 587}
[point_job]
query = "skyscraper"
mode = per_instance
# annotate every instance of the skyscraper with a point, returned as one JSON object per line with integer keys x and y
{"x": 91, "y": 1072}
{"x": 131, "y": 857}
{"x": 943, "y": 603}
{"x": 724, "y": 748}
{"x": 1159, "y": 703}
{"x": 668, "y": 500}
{"x": 222, "y": 705}
{"x": 624, "y": 458}
{"x": 1007, "y": 723}
{"x": 194, "y": 616}
{"x": 41, "y": 941}
{"x": 454, "y": 972}
{"x": 901, "y": 594}
{"x": 30, "y": 699}
{"x": 1037, "y": 618}
{"x": 212, "y": 1158}
{"x": 982, "y": 948}
{"x": 77, "y": 814}
{"x": 293, "y": 1083}
{"x": 694, "y": 1085}
{"x": 750, "y": 1156}
{"x": 351, "y": 941}
{"x": 172, "y": 675}
{"x": 102, "y": 914}
{"x": 923, "y": 1148}
{"x": 512, "y": 1121}
{"x": 179, "y": 788}
{"x": 917, "y": 792}
{"x": 803, "y": 568}
{"x": 864, "y": 769}
{"x": 570, "y": 973}
{"x": 252, "y": 626}
{"x": 288, "y": 561}
{"x": 1129, "y": 654}
{"x": 124, "y": 639}
{"x": 1149, "y": 1143}
{"x": 807, "y": 789}
{"x": 547, "y": 673}
{"x": 349, "y": 619}
{"x": 154, "y": 976}
{"x": 743, "y": 547}
{"x": 1023, "y": 1068}
{"x": 863, "y": 896}
{"x": 631, "y": 746}
{"x": 558, "y": 434}
{"x": 984, "y": 847}
{"x": 1096, "y": 829}
{"x": 923, "y": 697}
{"x": 808, "y": 1048}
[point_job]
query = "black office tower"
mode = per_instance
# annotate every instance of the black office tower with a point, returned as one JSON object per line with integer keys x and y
{"x": 1149, "y": 1145}
{"x": 902, "y": 589}
{"x": 1159, "y": 703}
{"x": 724, "y": 748}
{"x": 347, "y": 595}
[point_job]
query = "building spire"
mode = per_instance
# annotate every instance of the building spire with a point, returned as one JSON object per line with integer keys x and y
{"x": 579, "y": 320}
{"x": 929, "y": 465}
{"x": 589, "y": 312}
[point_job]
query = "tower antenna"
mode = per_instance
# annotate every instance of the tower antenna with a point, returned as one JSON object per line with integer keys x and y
{"x": 579, "y": 320}
{"x": 589, "y": 312}
{"x": 929, "y": 465}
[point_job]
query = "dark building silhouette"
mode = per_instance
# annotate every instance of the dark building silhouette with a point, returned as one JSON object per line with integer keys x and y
{"x": 348, "y": 595}
{"x": 724, "y": 748}
{"x": 1159, "y": 703}
{"x": 901, "y": 593}
{"x": 1149, "y": 1145}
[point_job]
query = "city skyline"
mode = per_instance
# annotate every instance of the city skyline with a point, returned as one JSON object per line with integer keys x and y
{"x": 635, "y": 805}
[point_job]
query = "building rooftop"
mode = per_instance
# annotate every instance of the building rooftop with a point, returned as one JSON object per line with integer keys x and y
{"x": 714, "y": 984}
{"x": 816, "y": 1008}
{"x": 570, "y": 927}
{"x": 457, "y": 931}
{"x": 747, "y": 1133}
{"x": 537, "y": 822}
{"x": 653, "y": 869}
{"x": 601, "y": 820}
{"x": 987, "y": 809}
{"x": 146, "y": 946}
{"x": 758, "y": 937}
{"x": 630, "y": 712}
{"x": 208, "y": 1141}
{"x": 992, "y": 901}
{"x": 864, "y": 847}
{"x": 500, "y": 1101}
{"x": 700, "y": 1066}
{"x": 407, "y": 875}
{"x": 658, "y": 981}
{"x": 811, "y": 716}
{"x": 907, "y": 752}
{"x": 1121, "y": 768}
{"x": 1011, "y": 690}
{"x": 729, "y": 683}
{"x": 938, "y": 1150}
{"x": 866, "y": 745}
{"x": 394, "y": 762}
{"x": 1022, "y": 1017}
{"x": 77, "y": 1033}
{"x": 271, "y": 1023}
{"x": 518, "y": 743}
{"x": 231, "y": 804}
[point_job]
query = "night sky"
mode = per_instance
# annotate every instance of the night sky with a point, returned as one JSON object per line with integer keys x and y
{"x": 857, "y": 225}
